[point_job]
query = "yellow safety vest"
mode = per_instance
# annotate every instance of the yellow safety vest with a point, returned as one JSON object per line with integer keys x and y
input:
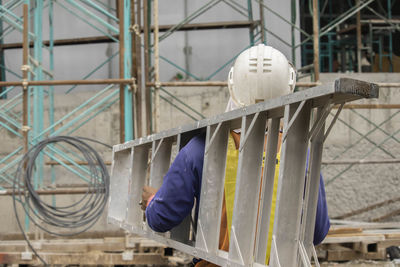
{"x": 230, "y": 185}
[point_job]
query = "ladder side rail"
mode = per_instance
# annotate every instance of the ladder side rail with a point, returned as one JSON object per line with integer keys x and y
{"x": 242, "y": 237}
{"x": 119, "y": 184}
{"x": 135, "y": 215}
{"x": 267, "y": 190}
{"x": 313, "y": 182}
{"x": 291, "y": 183}
{"x": 212, "y": 188}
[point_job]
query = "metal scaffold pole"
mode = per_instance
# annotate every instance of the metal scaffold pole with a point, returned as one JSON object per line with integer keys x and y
{"x": 359, "y": 42}
{"x": 126, "y": 118}
{"x": 316, "y": 39}
{"x": 156, "y": 115}
{"x": 262, "y": 22}
{"x": 146, "y": 36}
{"x": 293, "y": 20}
{"x": 25, "y": 126}
{"x": 120, "y": 5}
{"x": 137, "y": 67}
{"x": 38, "y": 92}
{"x": 250, "y": 18}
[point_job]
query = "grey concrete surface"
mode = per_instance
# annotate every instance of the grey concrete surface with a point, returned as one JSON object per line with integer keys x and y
{"x": 358, "y": 187}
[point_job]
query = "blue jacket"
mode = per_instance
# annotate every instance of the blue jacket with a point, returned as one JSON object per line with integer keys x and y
{"x": 181, "y": 185}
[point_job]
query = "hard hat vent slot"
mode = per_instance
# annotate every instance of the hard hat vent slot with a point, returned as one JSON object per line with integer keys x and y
{"x": 253, "y": 64}
{"x": 267, "y": 67}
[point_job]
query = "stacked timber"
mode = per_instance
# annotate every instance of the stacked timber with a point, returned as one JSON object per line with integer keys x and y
{"x": 356, "y": 240}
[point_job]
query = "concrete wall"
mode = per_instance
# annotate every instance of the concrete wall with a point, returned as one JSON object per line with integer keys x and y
{"x": 360, "y": 186}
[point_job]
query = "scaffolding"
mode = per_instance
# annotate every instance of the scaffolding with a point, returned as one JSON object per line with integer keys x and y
{"x": 134, "y": 27}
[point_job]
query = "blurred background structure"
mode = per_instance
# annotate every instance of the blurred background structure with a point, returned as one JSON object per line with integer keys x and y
{"x": 114, "y": 71}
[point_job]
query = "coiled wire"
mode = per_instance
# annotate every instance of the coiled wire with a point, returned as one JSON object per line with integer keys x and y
{"x": 76, "y": 217}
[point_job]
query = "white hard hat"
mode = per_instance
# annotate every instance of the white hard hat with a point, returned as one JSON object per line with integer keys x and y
{"x": 260, "y": 73}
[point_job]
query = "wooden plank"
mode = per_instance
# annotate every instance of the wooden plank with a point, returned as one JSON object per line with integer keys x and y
{"x": 116, "y": 244}
{"x": 344, "y": 230}
{"x": 388, "y": 243}
{"x": 392, "y": 236}
{"x": 94, "y": 258}
{"x": 337, "y": 252}
{"x": 351, "y": 238}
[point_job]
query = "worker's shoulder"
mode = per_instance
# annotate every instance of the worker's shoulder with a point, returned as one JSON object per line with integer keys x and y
{"x": 195, "y": 147}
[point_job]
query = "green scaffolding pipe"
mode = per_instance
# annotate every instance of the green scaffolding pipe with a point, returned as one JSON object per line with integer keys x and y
{"x": 72, "y": 170}
{"x": 77, "y": 118}
{"x": 7, "y": 180}
{"x": 93, "y": 71}
{"x": 334, "y": 24}
{"x": 10, "y": 155}
{"x": 250, "y": 18}
{"x": 10, "y": 6}
{"x": 223, "y": 66}
{"x": 10, "y": 129}
{"x": 389, "y": 13}
{"x": 76, "y": 109}
{"x": 87, "y": 22}
{"x": 12, "y": 163}
{"x": 279, "y": 38}
{"x": 101, "y": 10}
{"x": 2, "y": 71}
{"x": 93, "y": 116}
{"x": 374, "y": 124}
{"x": 293, "y": 17}
{"x": 128, "y": 119}
{"x": 178, "y": 108}
{"x": 63, "y": 155}
{"x": 9, "y": 120}
{"x": 30, "y": 133}
{"x": 20, "y": 148}
{"x": 16, "y": 99}
{"x": 10, "y": 13}
{"x": 368, "y": 153}
{"x": 12, "y": 23}
{"x": 229, "y": 3}
{"x": 175, "y": 106}
{"x": 282, "y": 18}
{"x": 105, "y": 5}
{"x": 69, "y": 159}
{"x": 183, "y": 103}
{"x": 51, "y": 156}
{"x": 9, "y": 109}
{"x": 60, "y": 129}
{"x": 6, "y": 91}
{"x": 180, "y": 68}
{"x": 10, "y": 71}
{"x": 364, "y": 136}
{"x": 93, "y": 16}
{"x": 344, "y": 17}
{"x": 383, "y": 18}
{"x": 38, "y": 94}
{"x": 191, "y": 17}
{"x": 51, "y": 88}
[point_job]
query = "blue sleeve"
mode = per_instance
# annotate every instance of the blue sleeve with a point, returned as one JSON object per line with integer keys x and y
{"x": 175, "y": 198}
{"x": 322, "y": 222}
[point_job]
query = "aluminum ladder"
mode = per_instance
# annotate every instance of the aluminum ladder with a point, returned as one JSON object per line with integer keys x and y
{"x": 145, "y": 161}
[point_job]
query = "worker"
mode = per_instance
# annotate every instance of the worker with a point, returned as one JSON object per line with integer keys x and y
{"x": 259, "y": 73}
